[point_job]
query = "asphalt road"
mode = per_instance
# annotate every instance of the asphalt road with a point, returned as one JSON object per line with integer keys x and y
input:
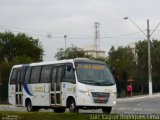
{"x": 133, "y": 105}
{"x": 138, "y": 105}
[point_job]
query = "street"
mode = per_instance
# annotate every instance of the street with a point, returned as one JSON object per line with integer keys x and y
{"x": 138, "y": 105}
{"x": 132, "y": 105}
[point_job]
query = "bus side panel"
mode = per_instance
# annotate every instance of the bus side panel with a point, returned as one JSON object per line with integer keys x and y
{"x": 68, "y": 89}
{"x": 11, "y": 94}
{"x": 38, "y": 93}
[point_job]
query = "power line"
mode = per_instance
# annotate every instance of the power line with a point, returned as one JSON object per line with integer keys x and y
{"x": 49, "y": 34}
{"x": 39, "y": 31}
{"x": 27, "y": 33}
{"x": 129, "y": 34}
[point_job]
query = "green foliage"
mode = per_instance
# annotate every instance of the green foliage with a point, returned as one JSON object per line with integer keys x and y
{"x": 44, "y": 115}
{"x": 155, "y": 55}
{"x": 12, "y": 46}
{"x": 69, "y": 116}
{"x": 122, "y": 60}
{"x": 5, "y": 68}
{"x": 17, "y": 49}
{"x": 127, "y": 66}
{"x": 70, "y": 53}
{"x": 142, "y": 65}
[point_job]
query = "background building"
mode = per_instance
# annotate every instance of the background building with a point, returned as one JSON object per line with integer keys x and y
{"x": 90, "y": 50}
{"x": 133, "y": 48}
{"x": 94, "y": 50}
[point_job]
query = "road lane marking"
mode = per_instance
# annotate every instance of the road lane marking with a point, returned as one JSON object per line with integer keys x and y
{"x": 143, "y": 104}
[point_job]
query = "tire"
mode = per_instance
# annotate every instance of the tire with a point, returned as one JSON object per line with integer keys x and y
{"x": 107, "y": 110}
{"x": 59, "y": 110}
{"x": 72, "y": 106}
{"x": 29, "y": 106}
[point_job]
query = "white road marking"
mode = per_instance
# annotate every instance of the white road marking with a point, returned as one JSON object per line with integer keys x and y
{"x": 138, "y": 109}
{"x": 143, "y": 104}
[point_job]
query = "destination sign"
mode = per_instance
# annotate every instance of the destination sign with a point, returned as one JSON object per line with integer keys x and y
{"x": 91, "y": 66}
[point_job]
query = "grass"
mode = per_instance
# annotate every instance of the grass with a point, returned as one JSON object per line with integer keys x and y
{"x": 43, "y": 116}
{"x": 5, "y": 115}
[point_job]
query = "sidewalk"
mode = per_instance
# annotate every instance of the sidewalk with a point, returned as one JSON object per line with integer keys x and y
{"x": 138, "y": 97}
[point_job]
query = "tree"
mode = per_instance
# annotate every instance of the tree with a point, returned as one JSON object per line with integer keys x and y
{"x": 70, "y": 53}
{"x": 155, "y": 56}
{"x": 142, "y": 66}
{"x": 12, "y": 46}
{"x": 123, "y": 63}
{"x": 17, "y": 49}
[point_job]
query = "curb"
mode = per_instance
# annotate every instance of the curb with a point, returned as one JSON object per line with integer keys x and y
{"x": 138, "y": 97}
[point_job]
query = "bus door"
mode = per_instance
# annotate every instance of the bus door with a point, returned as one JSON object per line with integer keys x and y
{"x": 56, "y": 85}
{"x": 19, "y": 82}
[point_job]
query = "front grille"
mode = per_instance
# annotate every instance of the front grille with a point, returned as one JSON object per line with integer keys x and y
{"x": 100, "y": 97}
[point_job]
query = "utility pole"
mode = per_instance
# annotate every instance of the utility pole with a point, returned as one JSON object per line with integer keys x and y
{"x": 97, "y": 38}
{"x": 148, "y": 35}
{"x": 149, "y": 60}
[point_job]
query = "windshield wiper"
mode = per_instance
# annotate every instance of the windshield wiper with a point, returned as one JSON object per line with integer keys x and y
{"x": 88, "y": 81}
{"x": 107, "y": 83}
{"x": 97, "y": 83}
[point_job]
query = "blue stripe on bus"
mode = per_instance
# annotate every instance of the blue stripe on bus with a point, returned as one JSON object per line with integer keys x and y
{"x": 27, "y": 90}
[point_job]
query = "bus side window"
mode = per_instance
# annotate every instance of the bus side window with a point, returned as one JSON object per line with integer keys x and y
{"x": 35, "y": 74}
{"x": 46, "y": 74}
{"x": 13, "y": 76}
{"x": 54, "y": 72}
{"x": 23, "y": 72}
{"x": 69, "y": 75}
{"x": 27, "y": 75}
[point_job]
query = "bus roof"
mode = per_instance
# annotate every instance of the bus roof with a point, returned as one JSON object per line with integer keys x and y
{"x": 58, "y": 62}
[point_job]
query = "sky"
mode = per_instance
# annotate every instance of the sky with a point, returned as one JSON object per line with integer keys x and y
{"x": 50, "y": 20}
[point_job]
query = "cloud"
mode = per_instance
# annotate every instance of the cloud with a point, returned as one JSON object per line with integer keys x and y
{"x": 78, "y": 17}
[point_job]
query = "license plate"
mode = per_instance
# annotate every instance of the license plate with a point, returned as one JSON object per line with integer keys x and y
{"x": 101, "y": 98}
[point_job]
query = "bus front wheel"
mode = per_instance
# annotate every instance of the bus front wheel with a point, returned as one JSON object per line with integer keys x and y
{"x": 107, "y": 109}
{"x": 29, "y": 106}
{"x": 72, "y": 106}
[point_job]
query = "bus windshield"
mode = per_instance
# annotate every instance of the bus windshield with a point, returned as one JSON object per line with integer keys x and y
{"x": 94, "y": 74}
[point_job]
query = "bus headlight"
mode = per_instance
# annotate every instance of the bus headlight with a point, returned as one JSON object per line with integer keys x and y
{"x": 114, "y": 102}
{"x": 84, "y": 92}
{"x": 114, "y": 94}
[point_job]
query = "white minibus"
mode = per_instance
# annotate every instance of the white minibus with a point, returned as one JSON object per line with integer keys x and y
{"x": 78, "y": 83}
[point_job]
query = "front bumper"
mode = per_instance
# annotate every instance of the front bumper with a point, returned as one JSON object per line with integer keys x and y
{"x": 96, "y": 100}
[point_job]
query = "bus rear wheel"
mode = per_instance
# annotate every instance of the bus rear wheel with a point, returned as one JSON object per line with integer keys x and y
{"x": 72, "y": 106}
{"x": 106, "y": 109}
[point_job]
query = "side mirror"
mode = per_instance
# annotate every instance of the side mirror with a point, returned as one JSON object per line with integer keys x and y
{"x": 69, "y": 68}
{"x": 113, "y": 70}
